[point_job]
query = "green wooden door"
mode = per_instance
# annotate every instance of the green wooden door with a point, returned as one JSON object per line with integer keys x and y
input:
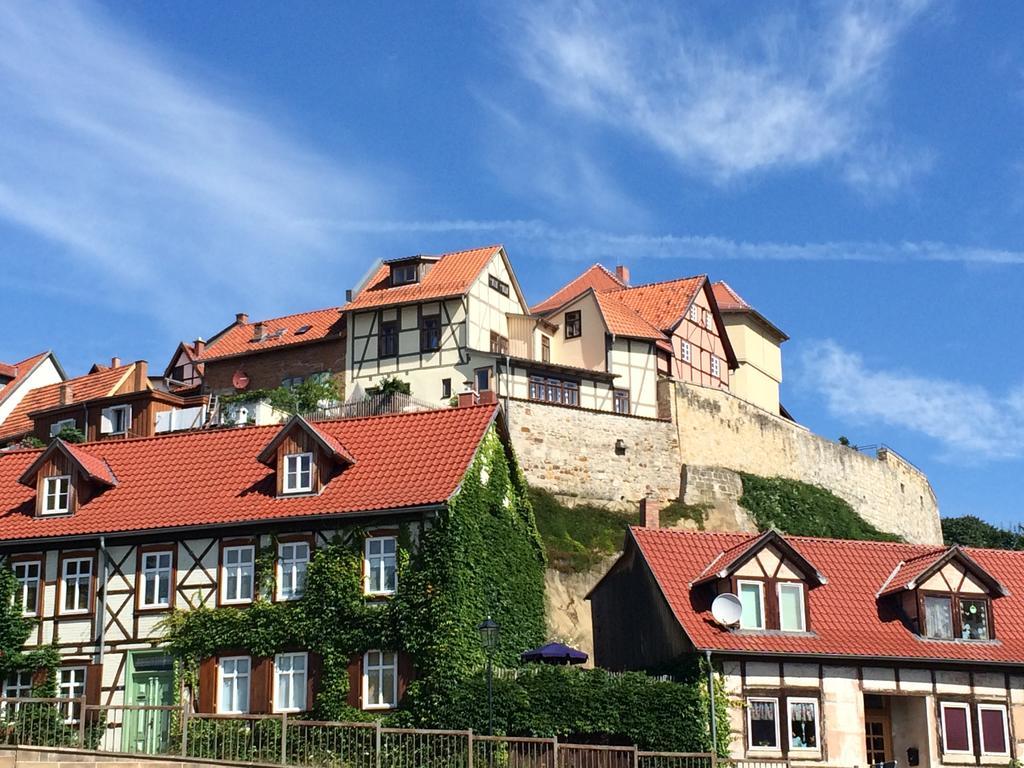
{"x": 151, "y": 684}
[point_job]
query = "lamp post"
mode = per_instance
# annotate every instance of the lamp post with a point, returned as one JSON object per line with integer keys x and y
{"x": 489, "y": 632}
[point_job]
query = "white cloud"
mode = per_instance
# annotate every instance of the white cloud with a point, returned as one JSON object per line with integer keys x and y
{"x": 791, "y": 90}
{"x": 160, "y": 194}
{"x": 969, "y": 422}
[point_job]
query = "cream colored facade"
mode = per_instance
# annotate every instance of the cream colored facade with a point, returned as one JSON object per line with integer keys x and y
{"x": 759, "y": 354}
{"x": 46, "y": 372}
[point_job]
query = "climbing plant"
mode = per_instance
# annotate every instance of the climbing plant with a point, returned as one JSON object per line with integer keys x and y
{"x": 15, "y": 629}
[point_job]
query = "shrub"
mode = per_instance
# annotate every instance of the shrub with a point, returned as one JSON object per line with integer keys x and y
{"x": 971, "y": 531}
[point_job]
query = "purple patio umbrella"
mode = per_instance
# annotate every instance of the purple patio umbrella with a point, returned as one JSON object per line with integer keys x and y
{"x": 555, "y": 653}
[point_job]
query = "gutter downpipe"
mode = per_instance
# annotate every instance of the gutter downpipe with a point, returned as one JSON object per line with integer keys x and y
{"x": 711, "y": 702}
{"x": 508, "y": 382}
{"x": 101, "y": 609}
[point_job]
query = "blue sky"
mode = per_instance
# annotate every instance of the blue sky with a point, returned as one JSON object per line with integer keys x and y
{"x": 854, "y": 169}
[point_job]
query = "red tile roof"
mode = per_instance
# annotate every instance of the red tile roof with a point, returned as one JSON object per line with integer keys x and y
{"x": 215, "y": 477}
{"x": 18, "y": 371}
{"x": 662, "y": 304}
{"x": 730, "y": 301}
{"x": 623, "y": 321}
{"x": 94, "y": 468}
{"x": 238, "y": 339}
{"x": 596, "y": 277}
{"x": 847, "y": 619}
{"x": 89, "y": 387}
{"x": 452, "y": 275}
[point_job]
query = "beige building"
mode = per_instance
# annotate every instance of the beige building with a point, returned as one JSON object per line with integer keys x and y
{"x": 831, "y": 652}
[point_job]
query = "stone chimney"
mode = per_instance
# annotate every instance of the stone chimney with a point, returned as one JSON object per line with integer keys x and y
{"x": 66, "y": 395}
{"x": 241, "y": 318}
{"x": 115, "y": 362}
{"x": 198, "y": 346}
{"x": 622, "y": 272}
{"x": 650, "y": 513}
{"x": 257, "y": 331}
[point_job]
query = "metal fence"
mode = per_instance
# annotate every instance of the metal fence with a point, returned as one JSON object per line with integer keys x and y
{"x": 374, "y": 405}
{"x": 283, "y": 740}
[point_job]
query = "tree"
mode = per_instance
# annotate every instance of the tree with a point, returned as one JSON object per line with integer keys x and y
{"x": 972, "y": 531}
{"x": 308, "y": 396}
{"x": 390, "y": 385}
{"x": 71, "y": 434}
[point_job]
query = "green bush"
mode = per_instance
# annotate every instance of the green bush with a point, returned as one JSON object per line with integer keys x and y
{"x": 801, "y": 509}
{"x": 971, "y": 531}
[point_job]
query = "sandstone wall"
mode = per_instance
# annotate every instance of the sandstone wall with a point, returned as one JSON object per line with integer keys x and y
{"x": 717, "y": 429}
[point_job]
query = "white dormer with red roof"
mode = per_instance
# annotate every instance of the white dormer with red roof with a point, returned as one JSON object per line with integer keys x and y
{"x": 64, "y": 477}
{"x": 304, "y": 458}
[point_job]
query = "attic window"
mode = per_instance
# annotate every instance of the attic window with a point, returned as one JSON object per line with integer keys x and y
{"x": 948, "y": 617}
{"x": 57, "y": 495}
{"x": 298, "y": 473}
{"x": 403, "y": 274}
{"x": 115, "y": 420}
{"x": 302, "y": 329}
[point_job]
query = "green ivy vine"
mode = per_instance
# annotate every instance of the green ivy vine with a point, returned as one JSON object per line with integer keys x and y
{"x": 15, "y": 630}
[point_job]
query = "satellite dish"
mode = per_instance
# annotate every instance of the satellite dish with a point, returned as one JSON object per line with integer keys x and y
{"x": 727, "y": 609}
{"x": 240, "y": 380}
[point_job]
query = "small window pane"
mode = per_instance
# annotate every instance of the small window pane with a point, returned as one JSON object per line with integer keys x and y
{"x": 974, "y": 619}
{"x": 956, "y": 729}
{"x": 752, "y": 616}
{"x": 763, "y": 719}
{"x": 993, "y": 730}
{"x": 938, "y": 616}
{"x": 803, "y": 724}
{"x": 791, "y": 607}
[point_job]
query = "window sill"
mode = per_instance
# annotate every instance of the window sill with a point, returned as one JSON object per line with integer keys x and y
{"x": 237, "y": 604}
{"x": 75, "y": 614}
{"x": 379, "y": 707}
{"x": 153, "y": 608}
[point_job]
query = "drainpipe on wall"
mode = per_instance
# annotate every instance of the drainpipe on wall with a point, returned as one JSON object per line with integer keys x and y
{"x": 711, "y": 702}
{"x": 508, "y": 381}
{"x": 101, "y": 609}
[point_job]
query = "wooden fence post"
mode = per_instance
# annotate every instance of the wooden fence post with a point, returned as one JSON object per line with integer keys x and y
{"x": 376, "y": 751}
{"x": 284, "y": 738}
{"x": 469, "y": 756}
{"x": 184, "y": 728}
{"x": 81, "y": 720}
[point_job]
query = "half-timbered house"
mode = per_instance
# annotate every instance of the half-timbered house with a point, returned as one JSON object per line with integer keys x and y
{"x": 106, "y": 539}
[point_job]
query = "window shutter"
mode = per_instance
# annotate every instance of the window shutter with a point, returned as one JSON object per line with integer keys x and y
{"x": 106, "y": 421}
{"x": 208, "y": 685}
{"x": 355, "y": 682}
{"x": 406, "y": 673}
{"x": 93, "y": 686}
{"x": 314, "y": 666}
{"x": 39, "y": 678}
{"x": 261, "y": 685}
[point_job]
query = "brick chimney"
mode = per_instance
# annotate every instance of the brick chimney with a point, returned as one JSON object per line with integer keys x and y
{"x": 488, "y": 397}
{"x": 115, "y": 362}
{"x": 140, "y": 378}
{"x": 622, "y": 272}
{"x": 66, "y": 395}
{"x": 198, "y": 346}
{"x": 241, "y": 318}
{"x": 257, "y": 331}
{"x": 467, "y": 399}
{"x": 650, "y": 513}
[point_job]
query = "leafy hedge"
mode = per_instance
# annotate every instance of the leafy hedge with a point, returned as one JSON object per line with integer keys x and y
{"x": 801, "y": 509}
{"x": 971, "y": 531}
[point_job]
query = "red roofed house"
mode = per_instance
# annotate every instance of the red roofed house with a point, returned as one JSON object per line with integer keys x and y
{"x": 18, "y": 379}
{"x": 107, "y": 538}
{"x": 834, "y": 652}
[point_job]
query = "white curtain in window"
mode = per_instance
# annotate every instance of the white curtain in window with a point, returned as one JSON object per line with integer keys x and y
{"x": 938, "y": 616}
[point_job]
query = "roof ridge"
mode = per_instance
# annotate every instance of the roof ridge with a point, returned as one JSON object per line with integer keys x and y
{"x": 283, "y": 317}
{"x": 660, "y": 282}
{"x": 469, "y": 250}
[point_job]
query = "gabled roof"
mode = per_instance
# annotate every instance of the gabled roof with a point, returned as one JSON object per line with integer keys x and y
{"x": 239, "y": 338}
{"x": 214, "y": 477}
{"x": 910, "y": 574}
{"x": 731, "y": 302}
{"x": 452, "y": 275}
{"x": 596, "y": 277}
{"x": 88, "y": 387}
{"x": 18, "y": 372}
{"x": 189, "y": 351}
{"x": 93, "y": 467}
{"x": 329, "y": 444}
{"x": 847, "y": 618}
{"x": 730, "y": 560}
{"x": 623, "y": 321}
{"x": 662, "y": 304}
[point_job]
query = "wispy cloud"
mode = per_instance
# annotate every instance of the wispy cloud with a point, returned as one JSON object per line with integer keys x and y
{"x": 970, "y": 423}
{"x": 790, "y": 90}
{"x": 581, "y": 244}
{"x": 153, "y": 189}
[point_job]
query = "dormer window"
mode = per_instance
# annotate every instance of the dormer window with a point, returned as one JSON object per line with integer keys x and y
{"x": 792, "y": 614}
{"x": 298, "y": 473}
{"x": 752, "y": 598}
{"x": 949, "y": 617}
{"x": 403, "y": 274}
{"x": 57, "y": 495}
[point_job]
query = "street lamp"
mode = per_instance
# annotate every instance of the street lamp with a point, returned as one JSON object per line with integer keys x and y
{"x": 489, "y": 632}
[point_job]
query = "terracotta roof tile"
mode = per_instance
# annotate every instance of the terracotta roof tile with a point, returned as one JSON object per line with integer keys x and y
{"x": 17, "y": 372}
{"x": 727, "y": 299}
{"x": 846, "y": 617}
{"x": 452, "y": 275}
{"x": 596, "y": 277}
{"x": 215, "y": 477}
{"x": 238, "y": 338}
{"x": 662, "y": 304}
{"x": 88, "y": 387}
{"x": 623, "y": 321}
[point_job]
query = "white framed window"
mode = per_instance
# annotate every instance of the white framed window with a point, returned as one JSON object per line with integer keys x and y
{"x": 380, "y": 680}
{"x": 716, "y": 366}
{"x": 290, "y": 670}
{"x": 233, "y": 683}
{"x": 28, "y": 574}
{"x": 685, "y": 353}
{"x": 804, "y": 723}
{"x": 292, "y": 562}
{"x": 17, "y": 685}
{"x": 709, "y": 320}
{"x": 57, "y": 495}
{"x": 695, "y": 313}
{"x": 994, "y": 730}
{"x": 238, "y": 572}
{"x": 791, "y": 607}
{"x": 116, "y": 420}
{"x": 58, "y": 426}
{"x": 752, "y": 600}
{"x": 298, "y": 472}
{"x": 957, "y": 738}
{"x": 156, "y": 580}
{"x": 763, "y": 723}
{"x": 71, "y": 685}
{"x": 381, "y": 565}
{"x": 76, "y": 584}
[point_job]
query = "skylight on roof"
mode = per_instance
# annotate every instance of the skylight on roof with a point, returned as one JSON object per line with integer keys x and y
{"x": 302, "y": 329}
